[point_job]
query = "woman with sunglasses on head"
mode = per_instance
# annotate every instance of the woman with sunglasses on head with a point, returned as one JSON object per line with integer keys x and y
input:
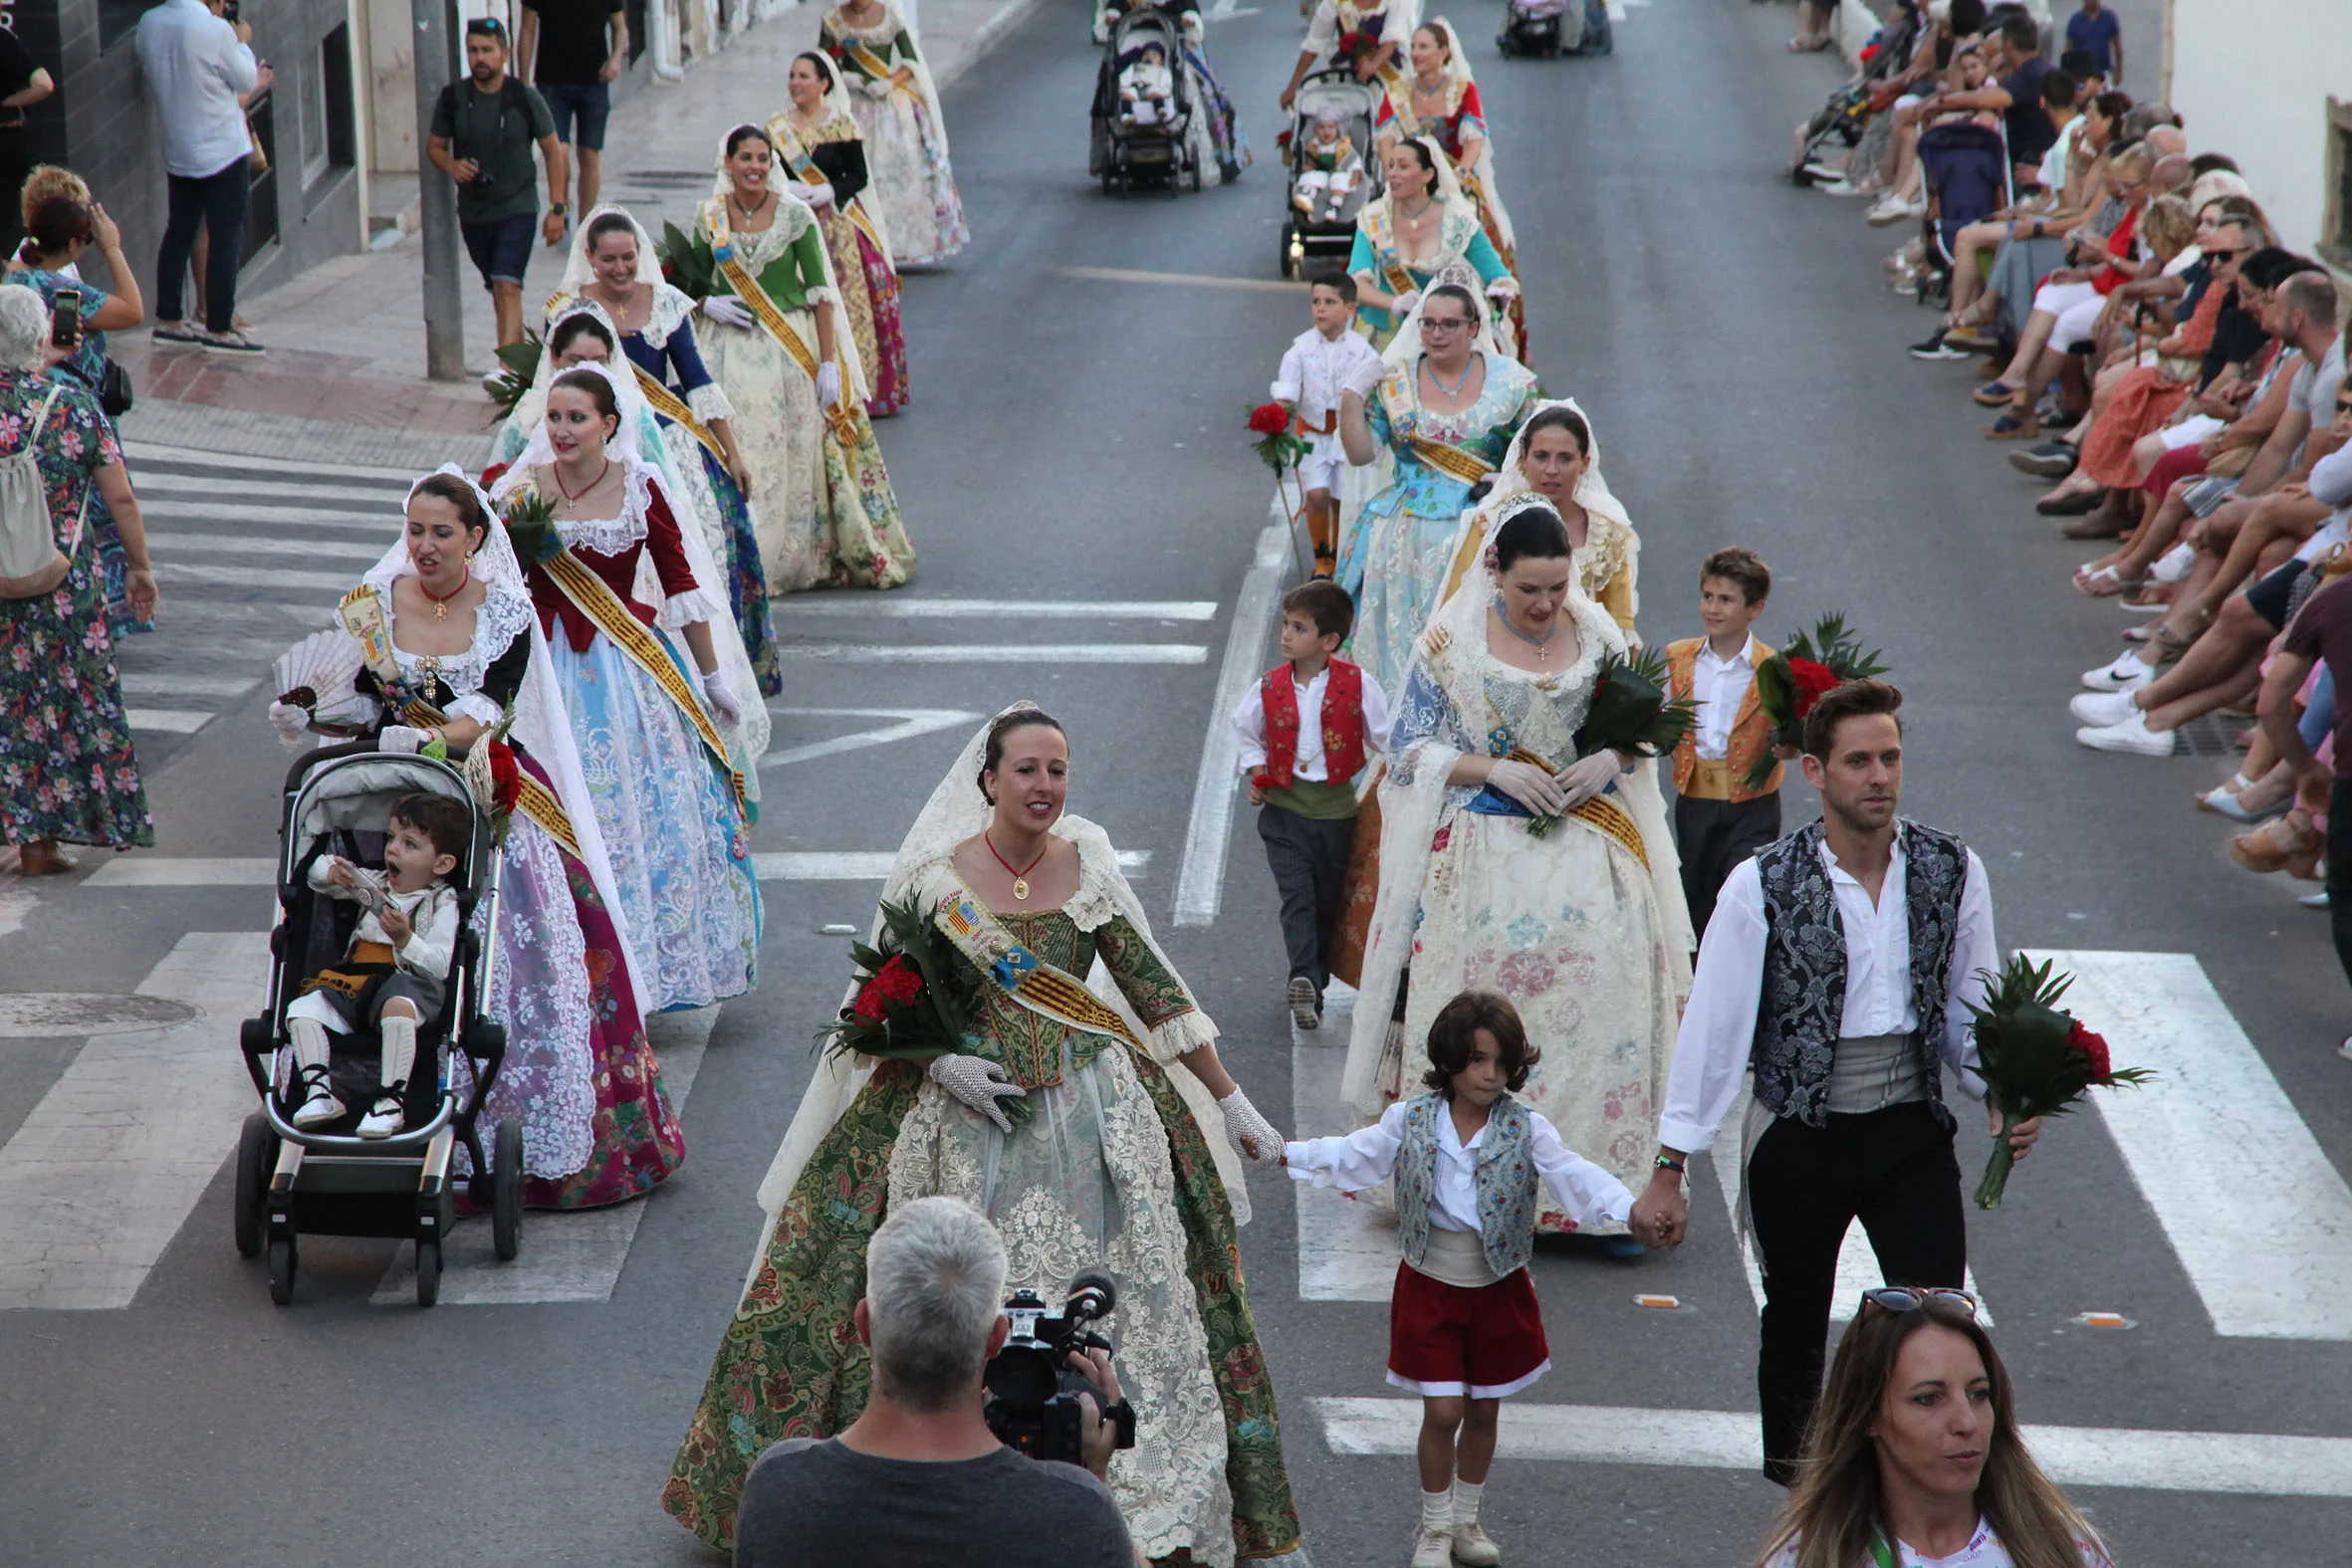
{"x": 1916, "y": 1459}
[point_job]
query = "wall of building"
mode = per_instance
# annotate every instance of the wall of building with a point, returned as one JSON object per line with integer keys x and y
{"x": 2251, "y": 78}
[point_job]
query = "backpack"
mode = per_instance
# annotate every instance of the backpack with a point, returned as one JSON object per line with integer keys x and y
{"x": 30, "y": 564}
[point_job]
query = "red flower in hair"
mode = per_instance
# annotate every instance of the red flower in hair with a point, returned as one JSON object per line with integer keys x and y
{"x": 1813, "y": 681}
{"x": 896, "y": 980}
{"x": 2092, "y": 1045}
{"x": 1269, "y": 419}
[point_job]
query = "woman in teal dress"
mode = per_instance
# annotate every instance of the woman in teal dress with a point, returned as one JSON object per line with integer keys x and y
{"x": 1436, "y": 422}
{"x": 1420, "y": 227}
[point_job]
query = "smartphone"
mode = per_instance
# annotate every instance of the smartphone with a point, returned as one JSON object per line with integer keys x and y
{"x": 64, "y": 319}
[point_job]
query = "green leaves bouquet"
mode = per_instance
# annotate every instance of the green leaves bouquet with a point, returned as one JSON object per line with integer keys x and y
{"x": 2035, "y": 1059}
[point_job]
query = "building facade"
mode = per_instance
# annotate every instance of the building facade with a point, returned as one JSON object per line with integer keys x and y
{"x": 2269, "y": 82}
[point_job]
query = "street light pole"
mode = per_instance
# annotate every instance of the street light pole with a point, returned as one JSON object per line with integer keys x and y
{"x": 445, "y": 296}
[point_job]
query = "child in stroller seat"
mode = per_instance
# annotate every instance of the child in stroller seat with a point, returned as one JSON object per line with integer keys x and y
{"x": 1147, "y": 90}
{"x": 1331, "y": 168}
{"x": 395, "y": 967}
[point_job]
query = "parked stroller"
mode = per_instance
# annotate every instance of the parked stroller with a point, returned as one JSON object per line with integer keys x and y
{"x": 327, "y": 1181}
{"x": 1144, "y": 139}
{"x": 1839, "y": 125}
{"x": 1322, "y": 230}
{"x": 1549, "y": 29}
{"x": 1965, "y": 170}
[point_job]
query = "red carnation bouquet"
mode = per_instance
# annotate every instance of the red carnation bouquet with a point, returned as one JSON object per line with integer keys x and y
{"x": 914, "y": 995}
{"x": 2035, "y": 1059}
{"x": 1790, "y": 682}
{"x": 1279, "y": 448}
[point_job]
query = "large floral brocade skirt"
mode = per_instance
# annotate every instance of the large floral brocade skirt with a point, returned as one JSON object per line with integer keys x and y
{"x": 870, "y": 293}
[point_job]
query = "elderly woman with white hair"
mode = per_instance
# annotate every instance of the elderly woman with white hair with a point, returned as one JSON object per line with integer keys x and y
{"x": 67, "y": 771}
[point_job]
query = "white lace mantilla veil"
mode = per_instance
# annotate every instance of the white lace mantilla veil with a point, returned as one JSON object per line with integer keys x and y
{"x": 1592, "y": 494}
{"x": 749, "y": 741}
{"x": 925, "y": 88}
{"x": 530, "y": 407}
{"x": 837, "y": 103}
{"x": 1414, "y": 795}
{"x": 794, "y": 211}
{"x": 1458, "y": 68}
{"x": 957, "y": 812}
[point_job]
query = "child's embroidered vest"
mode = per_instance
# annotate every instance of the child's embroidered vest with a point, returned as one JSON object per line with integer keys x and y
{"x": 1506, "y": 1182}
{"x": 1343, "y": 724}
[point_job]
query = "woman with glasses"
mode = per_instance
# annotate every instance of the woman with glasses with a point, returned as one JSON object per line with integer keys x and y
{"x": 1916, "y": 1459}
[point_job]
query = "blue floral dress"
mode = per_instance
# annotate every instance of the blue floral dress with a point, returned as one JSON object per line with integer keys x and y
{"x": 66, "y": 769}
{"x": 88, "y": 365}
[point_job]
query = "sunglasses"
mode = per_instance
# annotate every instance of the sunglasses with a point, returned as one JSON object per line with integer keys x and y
{"x": 1443, "y": 324}
{"x": 2223, "y": 255}
{"x": 1910, "y": 1298}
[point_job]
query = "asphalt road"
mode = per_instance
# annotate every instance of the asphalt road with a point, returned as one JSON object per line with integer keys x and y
{"x": 1076, "y": 441}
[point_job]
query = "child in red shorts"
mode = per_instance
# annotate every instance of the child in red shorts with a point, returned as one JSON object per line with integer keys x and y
{"x": 1463, "y": 1329}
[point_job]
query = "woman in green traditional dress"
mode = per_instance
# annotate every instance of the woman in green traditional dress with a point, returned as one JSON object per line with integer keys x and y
{"x": 1125, "y": 1161}
{"x": 826, "y": 513}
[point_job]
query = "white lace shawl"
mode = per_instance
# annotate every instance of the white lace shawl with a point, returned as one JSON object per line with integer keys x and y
{"x": 670, "y": 308}
{"x": 893, "y": 22}
{"x": 794, "y": 216}
{"x": 1610, "y": 540}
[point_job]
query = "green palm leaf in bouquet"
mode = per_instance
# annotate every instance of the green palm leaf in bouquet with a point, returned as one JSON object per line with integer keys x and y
{"x": 2035, "y": 1058}
{"x": 687, "y": 264}
{"x": 519, "y": 362}
{"x": 1631, "y": 713}
{"x": 530, "y": 520}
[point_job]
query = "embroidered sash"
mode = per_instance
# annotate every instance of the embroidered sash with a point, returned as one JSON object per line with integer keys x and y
{"x": 673, "y": 407}
{"x": 780, "y": 326}
{"x": 1465, "y": 466}
{"x": 864, "y": 58}
{"x": 1599, "y": 813}
{"x": 594, "y": 600}
{"x": 795, "y": 152}
{"x": 1024, "y": 976}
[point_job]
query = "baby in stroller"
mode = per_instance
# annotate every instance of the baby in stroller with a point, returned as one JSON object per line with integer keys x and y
{"x": 395, "y": 967}
{"x": 1330, "y": 168}
{"x": 1148, "y": 90}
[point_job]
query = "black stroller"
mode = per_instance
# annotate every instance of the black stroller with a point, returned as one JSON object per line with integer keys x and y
{"x": 1551, "y": 28}
{"x": 1966, "y": 171}
{"x": 327, "y": 1180}
{"x": 1318, "y": 232}
{"x": 1139, "y": 144}
{"x": 1839, "y": 125}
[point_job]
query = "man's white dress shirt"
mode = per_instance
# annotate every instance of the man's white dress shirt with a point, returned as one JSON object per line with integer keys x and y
{"x": 195, "y": 69}
{"x": 1249, "y": 723}
{"x": 1719, "y": 685}
{"x": 1367, "y": 1157}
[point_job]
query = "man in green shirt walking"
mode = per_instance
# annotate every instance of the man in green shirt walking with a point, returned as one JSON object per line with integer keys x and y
{"x": 483, "y": 132}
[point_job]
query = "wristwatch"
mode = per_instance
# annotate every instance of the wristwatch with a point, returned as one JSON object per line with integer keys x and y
{"x": 557, "y": 209}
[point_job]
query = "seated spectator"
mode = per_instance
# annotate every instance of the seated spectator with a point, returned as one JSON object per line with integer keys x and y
{"x": 1915, "y": 1439}
{"x": 918, "y": 1478}
{"x": 2014, "y": 59}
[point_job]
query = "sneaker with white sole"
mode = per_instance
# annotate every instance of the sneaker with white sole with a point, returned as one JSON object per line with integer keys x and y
{"x": 2100, "y": 708}
{"x": 1301, "y": 996}
{"x": 2126, "y": 674}
{"x": 1825, "y": 172}
{"x": 2132, "y": 738}
{"x": 1473, "y": 1548}
{"x": 387, "y": 1119}
{"x": 1846, "y": 187}
{"x": 1894, "y": 209}
{"x": 320, "y": 1108}
{"x": 1937, "y": 348}
{"x": 175, "y": 332}
{"x": 1433, "y": 1548}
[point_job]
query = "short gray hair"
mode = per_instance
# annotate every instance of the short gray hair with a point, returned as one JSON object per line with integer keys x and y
{"x": 24, "y": 326}
{"x": 934, "y": 1288}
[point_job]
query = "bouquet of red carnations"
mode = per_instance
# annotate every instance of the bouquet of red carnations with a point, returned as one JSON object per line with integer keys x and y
{"x": 2035, "y": 1059}
{"x": 914, "y": 995}
{"x": 1276, "y": 446}
{"x": 1790, "y": 682}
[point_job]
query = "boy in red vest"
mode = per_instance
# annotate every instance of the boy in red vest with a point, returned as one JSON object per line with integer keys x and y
{"x": 1718, "y": 820}
{"x": 1305, "y": 733}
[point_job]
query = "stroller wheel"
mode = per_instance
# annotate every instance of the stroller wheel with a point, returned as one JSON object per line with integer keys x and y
{"x": 428, "y": 1272}
{"x": 257, "y": 1151}
{"x": 282, "y": 1265}
{"x": 506, "y": 1191}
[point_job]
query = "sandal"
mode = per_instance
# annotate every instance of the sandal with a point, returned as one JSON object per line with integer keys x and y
{"x": 2105, "y": 582}
{"x": 2168, "y": 643}
{"x": 2292, "y": 845}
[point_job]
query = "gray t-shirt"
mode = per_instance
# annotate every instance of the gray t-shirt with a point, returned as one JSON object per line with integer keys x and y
{"x": 498, "y": 132}
{"x": 818, "y": 1505}
{"x": 2315, "y": 386}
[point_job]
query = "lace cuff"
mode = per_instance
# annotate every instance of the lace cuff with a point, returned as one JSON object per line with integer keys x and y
{"x": 695, "y": 605}
{"x": 476, "y": 707}
{"x": 709, "y": 402}
{"x": 1187, "y": 1031}
{"x": 820, "y": 295}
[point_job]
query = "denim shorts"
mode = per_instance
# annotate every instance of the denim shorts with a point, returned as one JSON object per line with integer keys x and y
{"x": 501, "y": 247}
{"x": 591, "y": 101}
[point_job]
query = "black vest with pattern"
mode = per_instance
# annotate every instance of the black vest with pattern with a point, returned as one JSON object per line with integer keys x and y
{"x": 1802, "y": 1011}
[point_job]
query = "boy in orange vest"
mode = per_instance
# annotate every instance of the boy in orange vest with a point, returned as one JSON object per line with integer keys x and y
{"x": 1718, "y": 820}
{"x": 1305, "y": 733}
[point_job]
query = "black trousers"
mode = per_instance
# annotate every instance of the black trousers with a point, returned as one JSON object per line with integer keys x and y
{"x": 216, "y": 204}
{"x": 1711, "y": 837}
{"x": 2339, "y": 868}
{"x": 1309, "y": 860}
{"x": 1896, "y": 1172}
{"x": 16, "y": 162}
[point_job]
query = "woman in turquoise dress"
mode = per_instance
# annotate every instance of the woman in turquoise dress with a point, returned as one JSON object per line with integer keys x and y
{"x": 1420, "y": 227}
{"x": 1437, "y": 422}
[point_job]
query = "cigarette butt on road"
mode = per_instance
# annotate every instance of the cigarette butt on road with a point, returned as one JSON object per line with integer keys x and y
{"x": 2103, "y": 1320}
{"x": 1665, "y": 1304}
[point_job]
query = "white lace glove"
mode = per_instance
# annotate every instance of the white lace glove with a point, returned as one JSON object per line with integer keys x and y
{"x": 726, "y": 309}
{"x": 818, "y": 195}
{"x": 829, "y": 384}
{"x": 1364, "y": 379}
{"x": 1242, "y": 1120}
{"x": 978, "y": 1083}
{"x": 1402, "y": 306}
{"x": 1588, "y": 776}
{"x": 287, "y": 720}
{"x": 875, "y": 88}
{"x": 725, "y": 706}
{"x": 1502, "y": 289}
{"x": 1529, "y": 786}
{"x": 401, "y": 739}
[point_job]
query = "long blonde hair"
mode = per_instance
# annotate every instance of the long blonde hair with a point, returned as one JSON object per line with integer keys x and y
{"x": 1835, "y": 1508}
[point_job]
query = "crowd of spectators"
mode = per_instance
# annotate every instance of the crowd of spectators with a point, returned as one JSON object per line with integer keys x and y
{"x": 2151, "y": 349}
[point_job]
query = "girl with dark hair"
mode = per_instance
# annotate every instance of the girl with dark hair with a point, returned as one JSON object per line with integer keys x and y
{"x": 1464, "y": 1328}
{"x": 897, "y": 106}
{"x": 1440, "y": 101}
{"x": 1420, "y": 227}
{"x": 1915, "y": 1460}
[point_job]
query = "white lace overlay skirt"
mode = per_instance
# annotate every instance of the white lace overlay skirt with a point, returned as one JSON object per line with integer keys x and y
{"x": 1085, "y": 1184}
{"x": 539, "y": 992}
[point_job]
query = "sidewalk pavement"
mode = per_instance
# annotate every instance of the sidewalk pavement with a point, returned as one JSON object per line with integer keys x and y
{"x": 345, "y": 382}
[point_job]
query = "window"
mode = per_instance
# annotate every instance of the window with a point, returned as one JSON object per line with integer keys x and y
{"x": 329, "y": 139}
{"x": 312, "y": 97}
{"x": 117, "y": 19}
{"x": 2336, "y": 228}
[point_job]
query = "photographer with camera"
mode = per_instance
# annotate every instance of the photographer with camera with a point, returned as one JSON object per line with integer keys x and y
{"x": 919, "y": 1476}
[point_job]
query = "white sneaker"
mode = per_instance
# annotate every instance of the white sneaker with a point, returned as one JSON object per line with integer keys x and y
{"x": 1301, "y": 996}
{"x": 1434, "y": 1548}
{"x": 2132, "y": 736}
{"x": 1844, "y": 187}
{"x": 2126, "y": 674}
{"x": 1894, "y": 209}
{"x": 2101, "y": 709}
{"x": 2173, "y": 565}
{"x": 387, "y": 1119}
{"x": 320, "y": 1109}
{"x": 1473, "y": 1548}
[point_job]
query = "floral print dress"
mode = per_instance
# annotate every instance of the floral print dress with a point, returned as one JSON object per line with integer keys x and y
{"x": 66, "y": 769}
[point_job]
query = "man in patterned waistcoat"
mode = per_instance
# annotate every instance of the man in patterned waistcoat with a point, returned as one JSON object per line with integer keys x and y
{"x": 1838, "y": 971}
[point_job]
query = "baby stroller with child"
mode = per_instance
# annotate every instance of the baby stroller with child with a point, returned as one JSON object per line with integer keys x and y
{"x": 1551, "y": 28}
{"x": 1319, "y": 209}
{"x": 1144, "y": 108}
{"x": 327, "y": 1180}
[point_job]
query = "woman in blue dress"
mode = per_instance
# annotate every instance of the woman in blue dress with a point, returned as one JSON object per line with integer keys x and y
{"x": 1421, "y": 226}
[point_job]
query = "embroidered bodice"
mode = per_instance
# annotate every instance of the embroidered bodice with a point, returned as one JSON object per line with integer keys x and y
{"x": 1483, "y": 428}
{"x": 1456, "y": 232}
{"x": 609, "y": 547}
{"x": 794, "y": 238}
{"x": 1538, "y": 712}
{"x": 885, "y": 36}
{"x": 1462, "y": 113}
{"x": 478, "y": 683}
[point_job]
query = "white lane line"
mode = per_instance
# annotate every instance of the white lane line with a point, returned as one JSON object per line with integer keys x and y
{"x": 1030, "y": 609}
{"x": 259, "y": 576}
{"x": 574, "y": 1257}
{"x": 167, "y": 721}
{"x": 234, "y": 463}
{"x": 193, "y": 487}
{"x": 2257, "y": 1464}
{"x": 872, "y": 865}
{"x": 105, "y": 1169}
{"x": 277, "y": 548}
{"x": 911, "y": 723}
{"x": 1857, "y": 1264}
{"x": 789, "y": 865}
{"x": 164, "y": 684}
{"x": 385, "y": 525}
{"x": 1347, "y": 1251}
{"x": 948, "y": 654}
{"x": 2269, "y": 1249}
{"x": 1190, "y": 279}
{"x": 1200, "y": 884}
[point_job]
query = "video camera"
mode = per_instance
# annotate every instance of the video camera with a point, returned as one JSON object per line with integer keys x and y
{"x": 1032, "y": 1394}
